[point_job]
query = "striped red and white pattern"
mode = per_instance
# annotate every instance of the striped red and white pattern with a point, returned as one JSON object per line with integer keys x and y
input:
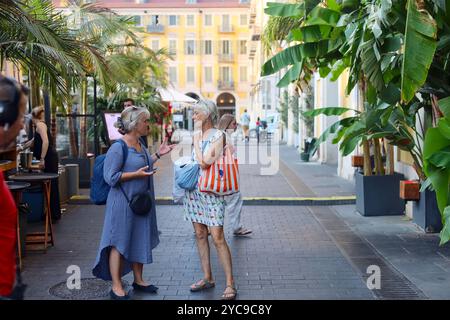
{"x": 222, "y": 177}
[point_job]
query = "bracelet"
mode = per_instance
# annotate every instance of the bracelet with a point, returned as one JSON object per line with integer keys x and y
{"x": 157, "y": 155}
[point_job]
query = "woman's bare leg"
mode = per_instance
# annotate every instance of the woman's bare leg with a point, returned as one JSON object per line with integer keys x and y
{"x": 115, "y": 267}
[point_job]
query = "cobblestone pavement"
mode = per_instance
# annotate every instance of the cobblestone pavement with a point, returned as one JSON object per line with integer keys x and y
{"x": 295, "y": 252}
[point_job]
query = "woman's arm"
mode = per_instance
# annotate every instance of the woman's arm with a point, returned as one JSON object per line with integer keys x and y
{"x": 213, "y": 153}
{"x": 41, "y": 128}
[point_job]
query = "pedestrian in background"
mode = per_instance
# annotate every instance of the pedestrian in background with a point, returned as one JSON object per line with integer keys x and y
{"x": 245, "y": 123}
{"x": 233, "y": 209}
{"x": 206, "y": 209}
{"x": 13, "y": 102}
{"x": 127, "y": 238}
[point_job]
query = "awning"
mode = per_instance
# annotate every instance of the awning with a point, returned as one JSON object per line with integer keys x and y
{"x": 172, "y": 95}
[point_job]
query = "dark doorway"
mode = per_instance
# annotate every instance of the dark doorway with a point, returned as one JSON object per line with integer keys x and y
{"x": 226, "y": 103}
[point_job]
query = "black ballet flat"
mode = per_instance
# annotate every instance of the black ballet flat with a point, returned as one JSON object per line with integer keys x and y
{"x": 116, "y": 297}
{"x": 147, "y": 289}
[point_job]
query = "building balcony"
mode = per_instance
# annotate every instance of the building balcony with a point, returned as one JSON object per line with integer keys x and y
{"x": 225, "y": 85}
{"x": 226, "y": 29}
{"x": 252, "y": 16}
{"x": 226, "y": 57}
{"x": 155, "y": 28}
{"x": 256, "y": 33}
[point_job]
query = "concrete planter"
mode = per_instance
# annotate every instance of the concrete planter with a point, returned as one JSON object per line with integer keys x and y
{"x": 379, "y": 195}
{"x": 426, "y": 212}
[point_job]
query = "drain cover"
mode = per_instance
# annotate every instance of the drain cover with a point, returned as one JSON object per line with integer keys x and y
{"x": 91, "y": 288}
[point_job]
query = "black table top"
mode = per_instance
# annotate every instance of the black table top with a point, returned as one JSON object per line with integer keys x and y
{"x": 33, "y": 177}
{"x": 17, "y": 186}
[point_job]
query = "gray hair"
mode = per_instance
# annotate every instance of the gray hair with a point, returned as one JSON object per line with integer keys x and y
{"x": 129, "y": 119}
{"x": 209, "y": 108}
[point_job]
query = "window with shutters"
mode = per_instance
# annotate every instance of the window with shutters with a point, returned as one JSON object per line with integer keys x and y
{"x": 155, "y": 45}
{"x": 208, "y": 20}
{"x": 226, "y": 46}
{"x": 242, "y": 46}
{"x": 243, "y": 20}
{"x": 190, "y": 74}
{"x": 173, "y": 74}
{"x": 173, "y": 20}
{"x": 189, "y": 47}
{"x": 208, "y": 74}
{"x": 190, "y": 20}
{"x": 225, "y": 74}
{"x": 173, "y": 47}
{"x": 243, "y": 74}
{"x": 207, "y": 47}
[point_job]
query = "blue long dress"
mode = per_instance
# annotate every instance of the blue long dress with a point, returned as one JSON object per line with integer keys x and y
{"x": 133, "y": 236}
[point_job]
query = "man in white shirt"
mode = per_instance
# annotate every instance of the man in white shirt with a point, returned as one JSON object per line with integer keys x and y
{"x": 245, "y": 123}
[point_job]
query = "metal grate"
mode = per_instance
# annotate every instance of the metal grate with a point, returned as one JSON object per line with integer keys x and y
{"x": 91, "y": 288}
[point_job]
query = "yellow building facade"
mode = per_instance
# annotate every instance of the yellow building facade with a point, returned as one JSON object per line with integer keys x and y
{"x": 208, "y": 41}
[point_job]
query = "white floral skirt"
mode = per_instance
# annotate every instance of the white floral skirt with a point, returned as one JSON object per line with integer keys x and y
{"x": 204, "y": 208}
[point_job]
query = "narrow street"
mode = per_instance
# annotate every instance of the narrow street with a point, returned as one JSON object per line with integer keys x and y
{"x": 294, "y": 252}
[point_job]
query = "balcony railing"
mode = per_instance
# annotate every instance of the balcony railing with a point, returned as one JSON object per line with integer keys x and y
{"x": 252, "y": 16}
{"x": 155, "y": 28}
{"x": 228, "y": 57}
{"x": 225, "y": 85}
{"x": 226, "y": 29}
{"x": 256, "y": 33}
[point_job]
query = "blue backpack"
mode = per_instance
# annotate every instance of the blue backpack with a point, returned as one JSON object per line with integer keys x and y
{"x": 99, "y": 187}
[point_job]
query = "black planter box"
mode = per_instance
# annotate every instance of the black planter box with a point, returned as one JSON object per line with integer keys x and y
{"x": 426, "y": 212}
{"x": 379, "y": 195}
{"x": 86, "y": 168}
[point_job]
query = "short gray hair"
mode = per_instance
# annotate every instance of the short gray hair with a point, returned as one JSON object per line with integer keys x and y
{"x": 209, "y": 108}
{"x": 129, "y": 118}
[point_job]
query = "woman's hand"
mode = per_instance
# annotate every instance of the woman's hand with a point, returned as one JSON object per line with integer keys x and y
{"x": 42, "y": 164}
{"x": 165, "y": 148}
{"x": 142, "y": 172}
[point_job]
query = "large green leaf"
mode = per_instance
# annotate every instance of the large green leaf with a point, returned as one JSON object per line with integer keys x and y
{"x": 419, "y": 48}
{"x": 329, "y": 111}
{"x": 434, "y": 142}
{"x": 441, "y": 159}
{"x": 346, "y": 122}
{"x": 313, "y": 33}
{"x": 444, "y": 105}
{"x": 445, "y": 232}
{"x": 444, "y": 127}
{"x": 292, "y": 75}
{"x": 284, "y": 9}
{"x": 323, "y": 16}
{"x": 293, "y": 55}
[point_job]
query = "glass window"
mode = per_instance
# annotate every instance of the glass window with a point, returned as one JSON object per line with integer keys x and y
{"x": 154, "y": 19}
{"x": 190, "y": 74}
{"x": 243, "y": 73}
{"x": 242, "y": 46}
{"x": 190, "y": 47}
{"x": 190, "y": 20}
{"x": 208, "y": 20}
{"x": 208, "y": 47}
{"x": 173, "y": 46}
{"x": 137, "y": 20}
{"x": 226, "y": 22}
{"x": 173, "y": 74}
{"x": 225, "y": 74}
{"x": 226, "y": 46}
{"x": 208, "y": 74}
{"x": 243, "y": 20}
{"x": 155, "y": 45}
{"x": 173, "y": 20}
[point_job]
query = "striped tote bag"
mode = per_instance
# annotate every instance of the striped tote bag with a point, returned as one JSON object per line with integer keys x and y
{"x": 222, "y": 177}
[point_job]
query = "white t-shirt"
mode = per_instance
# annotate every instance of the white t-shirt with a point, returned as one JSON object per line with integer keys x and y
{"x": 245, "y": 119}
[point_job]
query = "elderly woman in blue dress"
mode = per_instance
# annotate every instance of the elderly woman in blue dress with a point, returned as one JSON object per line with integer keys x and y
{"x": 206, "y": 210}
{"x": 128, "y": 239}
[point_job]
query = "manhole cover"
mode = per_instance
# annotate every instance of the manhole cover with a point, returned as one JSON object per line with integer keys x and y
{"x": 91, "y": 288}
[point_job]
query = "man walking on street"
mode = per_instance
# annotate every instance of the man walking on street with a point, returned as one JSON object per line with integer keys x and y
{"x": 245, "y": 123}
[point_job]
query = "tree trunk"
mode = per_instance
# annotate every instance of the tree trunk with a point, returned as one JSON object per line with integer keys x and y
{"x": 389, "y": 157}
{"x": 83, "y": 131}
{"x": 379, "y": 168}
{"x": 367, "y": 164}
{"x": 35, "y": 92}
{"x": 73, "y": 151}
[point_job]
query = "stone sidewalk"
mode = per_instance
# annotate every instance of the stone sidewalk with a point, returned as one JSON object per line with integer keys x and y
{"x": 295, "y": 252}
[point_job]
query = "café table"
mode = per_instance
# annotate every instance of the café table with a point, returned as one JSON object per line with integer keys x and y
{"x": 16, "y": 189}
{"x": 43, "y": 178}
